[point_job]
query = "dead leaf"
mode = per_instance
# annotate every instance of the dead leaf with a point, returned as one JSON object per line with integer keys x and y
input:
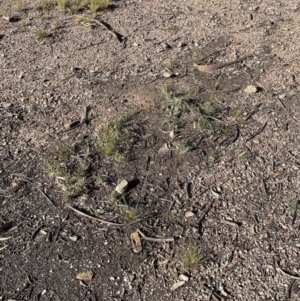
{"x": 176, "y": 285}
{"x": 136, "y": 242}
{"x": 16, "y": 183}
{"x": 164, "y": 149}
{"x": 234, "y": 236}
{"x": 183, "y": 277}
{"x": 250, "y": 89}
{"x": 86, "y": 276}
{"x": 188, "y": 214}
{"x": 73, "y": 238}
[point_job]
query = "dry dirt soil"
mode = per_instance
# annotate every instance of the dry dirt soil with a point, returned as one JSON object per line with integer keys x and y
{"x": 211, "y": 158}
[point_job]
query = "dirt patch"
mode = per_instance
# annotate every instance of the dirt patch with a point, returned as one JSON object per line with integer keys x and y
{"x": 212, "y": 170}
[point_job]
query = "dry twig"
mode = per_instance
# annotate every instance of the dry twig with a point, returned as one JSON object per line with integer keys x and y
{"x": 208, "y": 68}
{"x": 153, "y": 238}
{"x": 95, "y": 218}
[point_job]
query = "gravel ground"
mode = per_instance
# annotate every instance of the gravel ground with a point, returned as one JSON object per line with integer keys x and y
{"x": 212, "y": 167}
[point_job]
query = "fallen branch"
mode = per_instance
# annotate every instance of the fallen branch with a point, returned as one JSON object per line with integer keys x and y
{"x": 285, "y": 273}
{"x": 153, "y": 238}
{"x": 106, "y": 26}
{"x": 95, "y": 218}
{"x": 204, "y": 213}
{"x": 208, "y": 68}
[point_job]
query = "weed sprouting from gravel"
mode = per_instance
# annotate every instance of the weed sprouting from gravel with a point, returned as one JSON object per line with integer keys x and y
{"x": 192, "y": 258}
{"x": 69, "y": 168}
{"x": 63, "y": 4}
{"x": 41, "y": 33}
{"x": 115, "y": 139}
{"x": 96, "y": 5}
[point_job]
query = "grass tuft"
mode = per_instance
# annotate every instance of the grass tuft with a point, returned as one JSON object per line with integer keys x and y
{"x": 63, "y": 4}
{"x": 192, "y": 258}
{"x": 116, "y": 139}
{"x": 69, "y": 164}
{"x": 44, "y": 5}
{"x": 96, "y": 5}
{"x": 42, "y": 33}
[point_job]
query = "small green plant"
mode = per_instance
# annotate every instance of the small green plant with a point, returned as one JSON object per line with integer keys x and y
{"x": 101, "y": 181}
{"x": 44, "y": 5}
{"x": 74, "y": 186}
{"x": 41, "y": 34}
{"x": 173, "y": 214}
{"x": 25, "y": 21}
{"x": 207, "y": 109}
{"x": 54, "y": 23}
{"x": 215, "y": 87}
{"x": 177, "y": 107}
{"x": 192, "y": 258}
{"x": 237, "y": 113}
{"x": 69, "y": 167}
{"x": 18, "y": 6}
{"x": 96, "y": 5}
{"x": 50, "y": 166}
{"x": 184, "y": 146}
{"x": 64, "y": 150}
{"x": 132, "y": 214}
{"x": 116, "y": 139}
{"x": 202, "y": 124}
{"x": 167, "y": 90}
{"x": 63, "y": 4}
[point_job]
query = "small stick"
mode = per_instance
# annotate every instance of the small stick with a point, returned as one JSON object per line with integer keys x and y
{"x": 285, "y": 273}
{"x": 230, "y": 223}
{"x": 83, "y": 115}
{"x": 95, "y": 218}
{"x": 205, "y": 212}
{"x": 102, "y": 220}
{"x": 44, "y": 194}
{"x": 208, "y": 68}
{"x": 283, "y": 105}
{"x": 152, "y": 238}
{"x": 108, "y": 28}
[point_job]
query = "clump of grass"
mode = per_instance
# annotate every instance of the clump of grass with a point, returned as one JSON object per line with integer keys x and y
{"x": 207, "y": 109}
{"x": 237, "y": 113}
{"x": 96, "y": 5}
{"x": 69, "y": 168}
{"x": 18, "y": 6}
{"x": 41, "y": 34}
{"x": 167, "y": 91}
{"x": 25, "y": 21}
{"x": 116, "y": 139}
{"x": 202, "y": 124}
{"x": 54, "y": 23}
{"x": 184, "y": 146}
{"x": 63, "y": 4}
{"x": 132, "y": 214}
{"x": 78, "y": 5}
{"x": 177, "y": 106}
{"x": 173, "y": 214}
{"x": 44, "y": 5}
{"x": 83, "y": 19}
{"x": 192, "y": 258}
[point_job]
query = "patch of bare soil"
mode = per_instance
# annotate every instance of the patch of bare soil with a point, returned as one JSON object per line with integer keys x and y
{"x": 210, "y": 206}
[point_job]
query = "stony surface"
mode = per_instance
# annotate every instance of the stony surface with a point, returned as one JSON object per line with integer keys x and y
{"x": 199, "y": 144}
